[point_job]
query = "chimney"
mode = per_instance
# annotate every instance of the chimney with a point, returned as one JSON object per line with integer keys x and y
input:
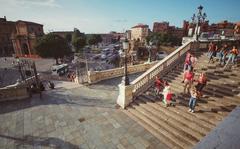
{"x": 5, "y": 18}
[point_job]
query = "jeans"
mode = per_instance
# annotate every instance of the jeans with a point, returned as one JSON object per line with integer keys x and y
{"x": 223, "y": 59}
{"x": 231, "y": 58}
{"x": 192, "y": 103}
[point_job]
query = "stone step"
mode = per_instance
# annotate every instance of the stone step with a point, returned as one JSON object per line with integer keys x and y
{"x": 223, "y": 103}
{"x": 178, "y": 134}
{"x": 207, "y": 89}
{"x": 194, "y": 129}
{"x": 153, "y": 131}
{"x": 214, "y": 104}
{"x": 166, "y": 137}
{"x": 200, "y": 107}
{"x": 203, "y": 120}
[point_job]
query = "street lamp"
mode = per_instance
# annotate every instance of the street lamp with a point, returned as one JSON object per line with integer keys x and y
{"x": 125, "y": 79}
{"x": 198, "y": 19}
{"x": 149, "y": 51}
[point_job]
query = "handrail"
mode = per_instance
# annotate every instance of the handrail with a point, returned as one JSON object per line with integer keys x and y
{"x": 146, "y": 79}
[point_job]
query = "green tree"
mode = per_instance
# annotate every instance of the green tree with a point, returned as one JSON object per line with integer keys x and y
{"x": 94, "y": 39}
{"x": 52, "y": 46}
{"x": 78, "y": 40}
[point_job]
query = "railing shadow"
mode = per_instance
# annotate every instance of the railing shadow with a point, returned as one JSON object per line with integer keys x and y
{"x": 34, "y": 141}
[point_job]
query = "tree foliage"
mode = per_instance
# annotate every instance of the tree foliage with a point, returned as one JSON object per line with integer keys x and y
{"x": 78, "y": 40}
{"x": 163, "y": 39}
{"x": 94, "y": 39}
{"x": 52, "y": 46}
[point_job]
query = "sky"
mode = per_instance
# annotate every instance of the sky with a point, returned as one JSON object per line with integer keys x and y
{"x": 103, "y": 16}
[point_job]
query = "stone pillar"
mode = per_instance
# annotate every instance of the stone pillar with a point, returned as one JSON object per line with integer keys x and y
{"x": 91, "y": 76}
{"x": 125, "y": 96}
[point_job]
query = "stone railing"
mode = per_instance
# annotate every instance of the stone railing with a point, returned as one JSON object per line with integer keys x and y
{"x": 143, "y": 82}
{"x": 13, "y": 93}
{"x": 16, "y": 91}
{"x": 96, "y": 76}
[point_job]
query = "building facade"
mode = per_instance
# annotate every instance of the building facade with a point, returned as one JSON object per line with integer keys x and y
{"x": 6, "y": 30}
{"x": 18, "y": 37}
{"x": 140, "y": 32}
{"x": 165, "y": 28}
{"x": 160, "y": 27}
{"x": 25, "y": 36}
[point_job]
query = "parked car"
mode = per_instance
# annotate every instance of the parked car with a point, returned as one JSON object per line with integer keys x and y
{"x": 161, "y": 55}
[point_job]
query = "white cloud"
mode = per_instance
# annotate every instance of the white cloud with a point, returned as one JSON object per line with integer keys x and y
{"x": 27, "y": 3}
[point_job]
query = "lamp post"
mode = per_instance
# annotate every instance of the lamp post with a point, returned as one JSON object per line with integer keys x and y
{"x": 198, "y": 19}
{"x": 149, "y": 46}
{"x": 125, "y": 79}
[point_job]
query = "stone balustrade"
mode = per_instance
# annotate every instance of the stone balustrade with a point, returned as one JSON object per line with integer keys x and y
{"x": 16, "y": 91}
{"x": 96, "y": 76}
{"x": 143, "y": 82}
{"x": 128, "y": 93}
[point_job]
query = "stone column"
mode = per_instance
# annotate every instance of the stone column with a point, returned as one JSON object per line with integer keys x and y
{"x": 125, "y": 96}
{"x": 91, "y": 76}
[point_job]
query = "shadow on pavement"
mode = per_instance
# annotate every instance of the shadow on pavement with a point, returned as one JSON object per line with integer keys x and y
{"x": 40, "y": 141}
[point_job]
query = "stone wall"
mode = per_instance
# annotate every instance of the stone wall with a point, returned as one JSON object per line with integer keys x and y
{"x": 16, "y": 91}
{"x": 96, "y": 76}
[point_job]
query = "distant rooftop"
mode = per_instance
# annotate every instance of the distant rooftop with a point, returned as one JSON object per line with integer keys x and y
{"x": 141, "y": 26}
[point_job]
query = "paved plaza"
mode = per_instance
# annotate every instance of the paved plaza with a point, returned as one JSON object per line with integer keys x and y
{"x": 71, "y": 116}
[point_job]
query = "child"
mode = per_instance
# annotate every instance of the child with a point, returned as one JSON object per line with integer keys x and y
{"x": 167, "y": 95}
{"x": 192, "y": 100}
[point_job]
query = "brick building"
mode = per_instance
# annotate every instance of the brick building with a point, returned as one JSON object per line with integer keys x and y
{"x": 25, "y": 37}
{"x": 6, "y": 29}
{"x": 160, "y": 27}
{"x": 165, "y": 28}
{"x": 18, "y": 37}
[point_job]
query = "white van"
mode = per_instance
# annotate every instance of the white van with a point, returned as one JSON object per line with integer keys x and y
{"x": 59, "y": 69}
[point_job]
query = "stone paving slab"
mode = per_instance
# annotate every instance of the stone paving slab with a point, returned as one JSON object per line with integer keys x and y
{"x": 67, "y": 118}
{"x": 225, "y": 136}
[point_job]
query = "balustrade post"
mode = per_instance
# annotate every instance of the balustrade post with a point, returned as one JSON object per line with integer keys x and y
{"x": 125, "y": 96}
{"x": 91, "y": 76}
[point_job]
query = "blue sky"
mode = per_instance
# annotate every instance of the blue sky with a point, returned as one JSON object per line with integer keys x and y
{"x": 102, "y": 16}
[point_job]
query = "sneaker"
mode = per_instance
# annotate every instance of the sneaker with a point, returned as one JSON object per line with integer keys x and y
{"x": 192, "y": 111}
{"x": 189, "y": 110}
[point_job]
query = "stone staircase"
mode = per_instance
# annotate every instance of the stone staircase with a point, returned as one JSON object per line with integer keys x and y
{"x": 175, "y": 126}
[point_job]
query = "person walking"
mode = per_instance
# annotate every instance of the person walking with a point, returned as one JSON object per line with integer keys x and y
{"x": 188, "y": 80}
{"x": 187, "y": 64}
{"x": 192, "y": 100}
{"x": 213, "y": 54}
{"x": 159, "y": 85}
{"x": 232, "y": 56}
{"x": 210, "y": 49}
{"x": 223, "y": 54}
{"x": 202, "y": 81}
